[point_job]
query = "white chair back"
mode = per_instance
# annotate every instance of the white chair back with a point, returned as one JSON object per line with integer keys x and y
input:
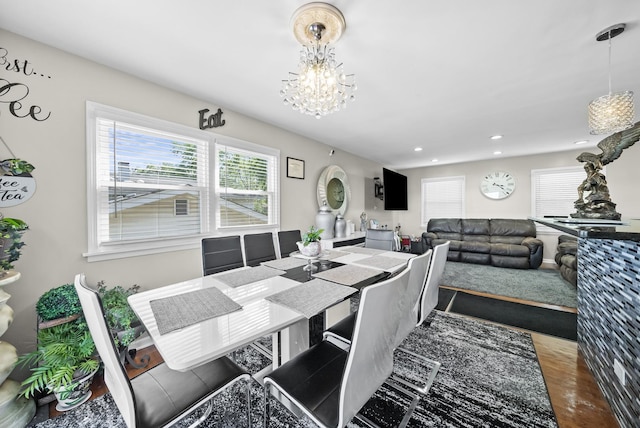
{"x": 380, "y": 239}
{"x": 114, "y": 375}
{"x": 429, "y": 298}
{"x": 418, "y": 268}
{"x": 370, "y": 360}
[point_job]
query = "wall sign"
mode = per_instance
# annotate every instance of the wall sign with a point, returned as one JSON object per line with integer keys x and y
{"x": 16, "y": 183}
{"x": 213, "y": 121}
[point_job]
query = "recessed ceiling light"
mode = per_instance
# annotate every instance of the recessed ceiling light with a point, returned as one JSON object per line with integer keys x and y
{"x": 498, "y": 152}
{"x": 581, "y": 142}
{"x": 434, "y": 160}
{"x": 417, "y": 149}
{"x": 496, "y": 137}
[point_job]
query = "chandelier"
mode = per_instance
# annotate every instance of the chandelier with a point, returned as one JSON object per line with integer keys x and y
{"x": 613, "y": 112}
{"x": 320, "y": 86}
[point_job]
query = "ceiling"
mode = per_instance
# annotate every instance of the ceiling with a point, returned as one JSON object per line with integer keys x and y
{"x": 441, "y": 75}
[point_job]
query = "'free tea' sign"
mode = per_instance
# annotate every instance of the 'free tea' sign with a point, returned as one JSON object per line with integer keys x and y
{"x": 15, "y": 190}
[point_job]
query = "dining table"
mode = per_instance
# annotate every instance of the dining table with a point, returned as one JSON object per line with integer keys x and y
{"x": 198, "y": 320}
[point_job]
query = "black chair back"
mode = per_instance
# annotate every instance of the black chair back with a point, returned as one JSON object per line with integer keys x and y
{"x": 220, "y": 254}
{"x": 258, "y": 248}
{"x": 287, "y": 240}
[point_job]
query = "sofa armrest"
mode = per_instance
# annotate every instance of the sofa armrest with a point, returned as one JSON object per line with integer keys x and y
{"x": 536, "y": 248}
{"x": 427, "y": 240}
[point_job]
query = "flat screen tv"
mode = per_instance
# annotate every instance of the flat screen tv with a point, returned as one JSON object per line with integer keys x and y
{"x": 395, "y": 190}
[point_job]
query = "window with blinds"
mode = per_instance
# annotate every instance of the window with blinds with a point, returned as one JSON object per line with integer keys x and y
{"x": 246, "y": 185}
{"x": 554, "y": 190}
{"x": 442, "y": 198}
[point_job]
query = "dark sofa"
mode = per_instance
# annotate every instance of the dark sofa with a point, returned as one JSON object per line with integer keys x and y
{"x": 510, "y": 243}
{"x": 567, "y": 258}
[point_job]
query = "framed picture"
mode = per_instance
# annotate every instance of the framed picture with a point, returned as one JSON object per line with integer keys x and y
{"x": 295, "y": 168}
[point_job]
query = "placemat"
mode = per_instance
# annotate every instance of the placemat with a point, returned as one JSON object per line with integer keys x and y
{"x": 312, "y": 297}
{"x": 240, "y": 277}
{"x": 285, "y": 263}
{"x": 182, "y": 310}
{"x": 382, "y": 262}
{"x": 363, "y": 250}
{"x": 331, "y": 254}
{"x": 348, "y": 274}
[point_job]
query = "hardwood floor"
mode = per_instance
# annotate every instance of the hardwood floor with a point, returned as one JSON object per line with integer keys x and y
{"x": 574, "y": 394}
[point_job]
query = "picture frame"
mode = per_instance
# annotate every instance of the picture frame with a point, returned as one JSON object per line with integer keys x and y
{"x": 295, "y": 168}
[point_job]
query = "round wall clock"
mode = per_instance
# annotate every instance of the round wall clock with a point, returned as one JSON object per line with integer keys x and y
{"x": 333, "y": 187}
{"x": 497, "y": 185}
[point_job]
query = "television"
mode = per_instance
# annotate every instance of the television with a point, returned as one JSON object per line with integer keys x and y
{"x": 395, "y": 190}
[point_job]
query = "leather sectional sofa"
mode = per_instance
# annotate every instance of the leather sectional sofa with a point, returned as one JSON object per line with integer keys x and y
{"x": 566, "y": 258}
{"x": 509, "y": 243}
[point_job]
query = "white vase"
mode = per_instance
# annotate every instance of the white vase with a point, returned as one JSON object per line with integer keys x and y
{"x": 311, "y": 250}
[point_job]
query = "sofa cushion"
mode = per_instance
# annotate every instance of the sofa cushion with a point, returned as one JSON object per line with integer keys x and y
{"x": 453, "y": 244}
{"x": 510, "y": 250}
{"x": 475, "y": 226}
{"x": 510, "y": 262}
{"x": 444, "y": 225}
{"x": 478, "y": 258}
{"x": 475, "y": 247}
{"x": 570, "y": 261}
{"x": 568, "y": 248}
{"x": 479, "y": 238}
{"x": 514, "y": 240}
{"x": 512, "y": 227}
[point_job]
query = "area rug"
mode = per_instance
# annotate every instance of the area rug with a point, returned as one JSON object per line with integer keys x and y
{"x": 489, "y": 377}
{"x": 533, "y": 318}
{"x": 537, "y": 285}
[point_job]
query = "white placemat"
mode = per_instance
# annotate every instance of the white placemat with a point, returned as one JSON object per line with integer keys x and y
{"x": 182, "y": 310}
{"x": 240, "y": 277}
{"x": 285, "y": 263}
{"x": 382, "y": 262}
{"x": 312, "y": 297}
{"x": 363, "y": 250}
{"x": 348, "y": 274}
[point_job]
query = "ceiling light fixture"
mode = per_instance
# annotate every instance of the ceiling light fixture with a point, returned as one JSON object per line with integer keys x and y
{"x": 612, "y": 112}
{"x": 417, "y": 149}
{"x": 320, "y": 86}
{"x": 581, "y": 142}
{"x": 497, "y": 152}
{"x": 496, "y": 137}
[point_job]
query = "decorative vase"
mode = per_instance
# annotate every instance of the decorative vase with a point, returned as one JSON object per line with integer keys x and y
{"x": 72, "y": 395}
{"x": 325, "y": 220}
{"x": 341, "y": 226}
{"x": 312, "y": 249}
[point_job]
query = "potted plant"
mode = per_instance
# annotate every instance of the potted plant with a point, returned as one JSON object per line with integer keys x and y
{"x": 64, "y": 363}
{"x": 310, "y": 244}
{"x": 11, "y": 231}
{"x": 65, "y": 359}
{"x": 123, "y": 322}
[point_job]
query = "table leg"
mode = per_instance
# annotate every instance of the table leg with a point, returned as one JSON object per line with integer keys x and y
{"x": 337, "y": 312}
{"x": 294, "y": 340}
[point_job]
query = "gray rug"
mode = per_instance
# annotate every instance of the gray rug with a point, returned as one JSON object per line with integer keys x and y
{"x": 489, "y": 377}
{"x": 538, "y": 285}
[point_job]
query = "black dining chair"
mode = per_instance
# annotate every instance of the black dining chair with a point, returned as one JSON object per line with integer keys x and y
{"x": 160, "y": 396}
{"x": 331, "y": 385}
{"x": 287, "y": 241}
{"x": 221, "y": 253}
{"x": 258, "y": 248}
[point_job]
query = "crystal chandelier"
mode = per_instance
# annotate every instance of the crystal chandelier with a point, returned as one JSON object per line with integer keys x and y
{"x": 613, "y": 112}
{"x": 320, "y": 86}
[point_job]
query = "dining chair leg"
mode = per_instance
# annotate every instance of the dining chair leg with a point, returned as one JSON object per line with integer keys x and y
{"x": 249, "y": 380}
{"x": 433, "y": 365}
{"x": 204, "y": 416}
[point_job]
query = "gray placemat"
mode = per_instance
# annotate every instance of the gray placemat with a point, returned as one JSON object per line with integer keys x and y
{"x": 347, "y": 274}
{"x": 363, "y": 250}
{"x": 285, "y": 263}
{"x": 382, "y": 262}
{"x": 332, "y": 254}
{"x": 176, "y": 312}
{"x": 312, "y": 297}
{"x": 240, "y": 277}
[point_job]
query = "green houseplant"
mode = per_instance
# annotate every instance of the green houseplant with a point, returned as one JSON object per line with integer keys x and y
{"x": 310, "y": 244}
{"x": 11, "y": 231}
{"x": 121, "y": 319}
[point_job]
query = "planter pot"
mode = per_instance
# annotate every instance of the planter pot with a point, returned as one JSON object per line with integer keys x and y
{"x": 311, "y": 250}
{"x": 71, "y": 396}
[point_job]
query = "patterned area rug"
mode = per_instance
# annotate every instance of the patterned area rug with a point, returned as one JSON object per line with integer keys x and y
{"x": 489, "y": 377}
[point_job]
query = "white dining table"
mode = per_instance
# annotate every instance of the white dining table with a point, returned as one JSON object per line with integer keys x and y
{"x": 207, "y": 340}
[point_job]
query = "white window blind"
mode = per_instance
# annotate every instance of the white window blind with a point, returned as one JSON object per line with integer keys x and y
{"x": 246, "y": 185}
{"x": 554, "y": 190}
{"x": 442, "y": 198}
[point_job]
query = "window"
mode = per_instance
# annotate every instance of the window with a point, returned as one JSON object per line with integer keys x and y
{"x": 246, "y": 185}
{"x": 442, "y": 198}
{"x": 554, "y": 190}
{"x": 158, "y": 186}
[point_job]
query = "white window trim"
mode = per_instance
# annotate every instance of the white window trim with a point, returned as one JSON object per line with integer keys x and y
{"x": 423, "y": 219}
{"x": 116, "y": 251}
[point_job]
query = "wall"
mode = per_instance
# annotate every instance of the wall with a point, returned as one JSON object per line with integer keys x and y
{"x": 57, "y": 213}
{"x": 622, "y": 178}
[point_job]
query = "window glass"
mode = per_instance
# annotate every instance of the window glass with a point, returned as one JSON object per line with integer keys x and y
{"x": 442, "y": 198}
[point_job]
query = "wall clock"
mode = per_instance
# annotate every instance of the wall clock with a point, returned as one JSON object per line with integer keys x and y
{"x": 497, "y": 185}
{"x": 333, "y": 187}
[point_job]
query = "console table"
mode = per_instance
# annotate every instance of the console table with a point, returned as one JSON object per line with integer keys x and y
{"x": 609, "y": 308}
{"x": 355, "y": 238}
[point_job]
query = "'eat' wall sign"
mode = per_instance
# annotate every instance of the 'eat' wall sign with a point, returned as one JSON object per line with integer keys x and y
{"x": 212, "y": 121}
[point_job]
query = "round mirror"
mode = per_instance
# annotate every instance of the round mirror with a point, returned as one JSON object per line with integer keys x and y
{"x": 333, "y": 187}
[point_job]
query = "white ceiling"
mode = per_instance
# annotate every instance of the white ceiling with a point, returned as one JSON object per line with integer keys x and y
{"x": 442, "y": 75}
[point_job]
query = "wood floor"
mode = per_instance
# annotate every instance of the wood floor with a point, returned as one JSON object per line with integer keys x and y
{"x": 575, "y": 396}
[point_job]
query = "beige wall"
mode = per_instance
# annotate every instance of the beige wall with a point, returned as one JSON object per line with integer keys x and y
{"x": 57, "y": 213}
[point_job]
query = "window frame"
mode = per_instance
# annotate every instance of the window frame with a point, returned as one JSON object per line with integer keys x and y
{"x": 461, "y": 179}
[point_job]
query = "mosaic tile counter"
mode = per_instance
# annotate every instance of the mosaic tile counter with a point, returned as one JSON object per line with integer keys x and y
{"x": 609, "y": 310}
